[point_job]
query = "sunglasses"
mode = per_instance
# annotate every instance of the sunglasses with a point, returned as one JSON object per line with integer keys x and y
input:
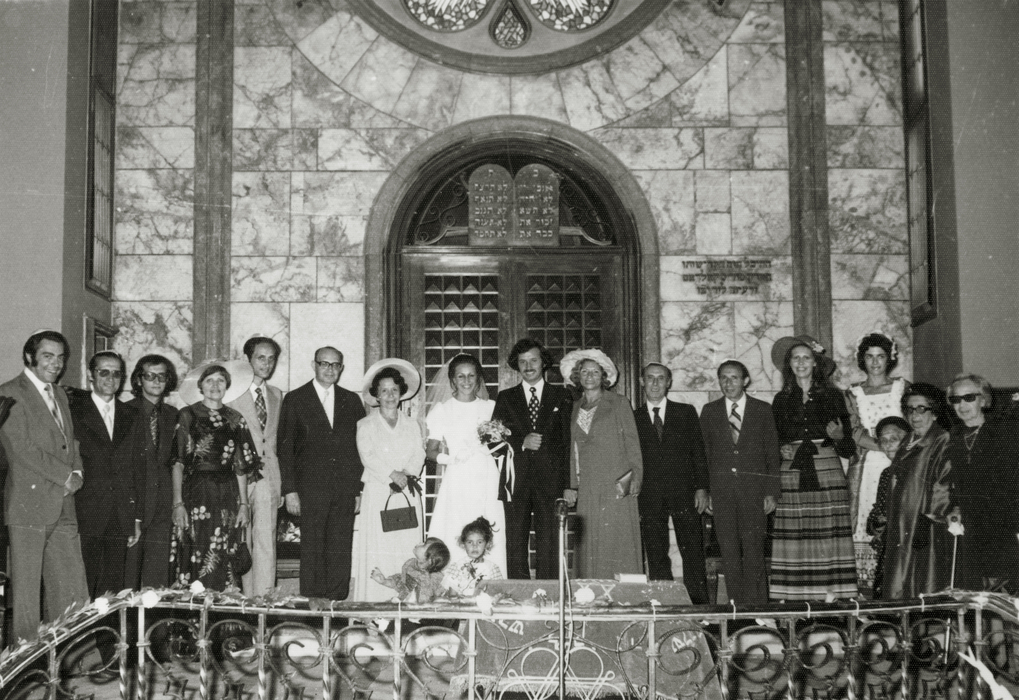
{"x": 922, "y": 410}
{"x": 115, "y": 373}
{"x": 959, "y": 398}
{"x": 154, "y": 377}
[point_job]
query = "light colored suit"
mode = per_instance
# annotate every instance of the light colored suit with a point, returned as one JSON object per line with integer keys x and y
{"x": 42, "y": 520}
{"x": 263, "y": 495}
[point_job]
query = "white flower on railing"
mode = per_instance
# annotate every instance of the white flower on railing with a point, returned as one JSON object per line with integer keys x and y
{"x": 585, "y": 596}
{"x": 102, "y": 605}
{"x": 484, "y": 602}
{"x": 150, "y": 599}
{"x": 955, "y": 525}
{"x": 197, "y": 587}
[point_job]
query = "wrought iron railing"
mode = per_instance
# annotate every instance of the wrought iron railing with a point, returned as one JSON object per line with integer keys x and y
{"x": 181, "y": 645}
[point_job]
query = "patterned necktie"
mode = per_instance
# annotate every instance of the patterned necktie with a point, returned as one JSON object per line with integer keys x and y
{"x": 260, "y": 407}
{"x": 154, "y": 426}
{"x": 735, "y": 423}
{"x": 532, "y": 408}
{"x": 53, "y": 408}
{"x": 659, "y": 426}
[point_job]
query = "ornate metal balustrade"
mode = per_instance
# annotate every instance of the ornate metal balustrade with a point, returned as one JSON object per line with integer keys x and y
{"x": 181, "y": 645}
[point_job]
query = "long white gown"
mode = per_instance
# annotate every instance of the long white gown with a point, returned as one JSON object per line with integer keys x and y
{"x": 470, "y": 482}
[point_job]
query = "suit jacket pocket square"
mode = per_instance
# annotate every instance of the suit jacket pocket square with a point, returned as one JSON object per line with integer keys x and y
{"x": 623, "y": 484}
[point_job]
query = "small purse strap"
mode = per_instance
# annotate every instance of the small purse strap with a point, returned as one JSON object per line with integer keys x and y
{"x": 398, "y": 493}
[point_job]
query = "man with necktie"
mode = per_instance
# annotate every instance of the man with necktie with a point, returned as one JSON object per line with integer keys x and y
{"x": 320, "y": 470}
{"x": 675, "y": 482}
{"x": 45, "y": 472}
{"x": 260, "y": 406}
{"x": 538, "y": 416}
{"x": 148, "y": 562}
{"x": 743, "y": 464}
{"x": 112, "y": 454}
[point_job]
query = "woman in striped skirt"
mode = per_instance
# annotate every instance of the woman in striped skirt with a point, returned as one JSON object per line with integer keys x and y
{"x": 812, "y": 541}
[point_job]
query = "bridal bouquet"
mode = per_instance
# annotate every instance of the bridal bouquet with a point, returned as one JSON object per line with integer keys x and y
{"x": 493, "y": 431}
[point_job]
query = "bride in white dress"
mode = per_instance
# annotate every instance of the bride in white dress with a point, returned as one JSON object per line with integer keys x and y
{"x": 470, "y": 478}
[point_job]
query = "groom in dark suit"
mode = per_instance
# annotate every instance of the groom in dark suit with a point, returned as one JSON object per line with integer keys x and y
{"x": 321, "y": 473}
{"x": 676, "y": 470}
{"x": 743, "y": 463}
{"x": 538, "y": 416}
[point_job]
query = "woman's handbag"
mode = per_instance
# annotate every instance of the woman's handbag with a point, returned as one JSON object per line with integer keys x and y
{"x": 399, "y": 518}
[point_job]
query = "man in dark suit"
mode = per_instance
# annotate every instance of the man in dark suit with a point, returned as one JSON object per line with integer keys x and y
{"x": 148, "y": 562}
{"x": 112, "y": 454}
{"x": 675, "y": 480}
{"x": 45, "y": 472}
{"x": 743, "y": 463}
{"x": 321, "y": 473}
{"x": 538, "y": 416}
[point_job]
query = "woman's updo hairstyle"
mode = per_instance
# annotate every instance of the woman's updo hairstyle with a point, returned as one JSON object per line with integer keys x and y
{"x": 877, "y": 340}
{"x": 388, "y": 373}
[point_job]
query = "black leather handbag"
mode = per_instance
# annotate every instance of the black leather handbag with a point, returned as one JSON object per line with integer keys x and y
{"x": 399, "y": 518}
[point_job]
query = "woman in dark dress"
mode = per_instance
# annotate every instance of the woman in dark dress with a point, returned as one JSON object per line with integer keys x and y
{"x": 984, "y": 490}
{"x": 215, "y": 459}
{"x": 812, "y": 548}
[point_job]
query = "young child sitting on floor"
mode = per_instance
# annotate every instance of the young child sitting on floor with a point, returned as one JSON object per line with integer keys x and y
{"x": 421, "y": 578}
{"x": 463, "y": 576}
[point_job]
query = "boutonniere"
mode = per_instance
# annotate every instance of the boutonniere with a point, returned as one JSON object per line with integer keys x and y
{"x": 555, "y": 410}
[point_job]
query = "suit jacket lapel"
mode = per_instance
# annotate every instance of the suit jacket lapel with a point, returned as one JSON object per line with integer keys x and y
{"x": 272, "y": 407}
{"x": 94, "y": 420}
{"x": 120, "y": 424}
{"x": 247, "y": 408}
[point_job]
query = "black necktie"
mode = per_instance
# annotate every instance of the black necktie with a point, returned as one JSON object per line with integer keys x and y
{"x": 260, "y": 407}
{"x": 532, "y": 408}
{"x": 659, "y": 426}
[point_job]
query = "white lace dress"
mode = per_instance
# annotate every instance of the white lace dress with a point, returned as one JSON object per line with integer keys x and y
{"x": 470, "y": 482}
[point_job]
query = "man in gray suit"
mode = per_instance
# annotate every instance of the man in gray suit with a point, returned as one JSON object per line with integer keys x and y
{"x": 45, "y": 472}
{"x": 260, "y": 406}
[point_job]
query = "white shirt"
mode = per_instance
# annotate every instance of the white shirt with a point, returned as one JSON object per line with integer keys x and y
{"x": 660, "y": 405}
{"x": 323, "y": 394}
{"x": 540, "y": 386}
{"x": 741, "y": 407}
{"x": 103, "y": 407}
{"x": 265, "y": 392}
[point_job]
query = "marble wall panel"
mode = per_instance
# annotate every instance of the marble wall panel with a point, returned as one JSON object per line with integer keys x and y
{"x": 262, "y": 87}
{"x": 854, "y": 319}
{"x": 862, "y": 84}
{"x": 366, "y": 149}
{"x": 337, "y": 45}
{"x": 711, "y": 188}
{"x": 763, "y": 23}
{"x": 481, "y": 96}
{"x": 428, "y": 98}
{"x": 254, "y": 25}
{"x": 261, "y": 214}
{"x": 380, "y": 75}
{"x": 269, "y": 278}
{"x": 154, "y": 212}
{"x": 890, "y": 19}
{"x": 671, "y": 196}
{"x": 757, "y": 326}
{"x": 696, "y": 337}
{"x": 657, "y": 116}
{"x": 267, "y": 319}
{"x": 152, "y": 278}
{"x": 703, "y": 100}
{"x": 318, "y": 101}
{"x": 851, "y": 20}
{"x": 298, "y": 19}
{"x": 714, "y": 233}
{"x": 687, "y": 34}
{"x": 322, "y": 226}
{"x": 157, "y": 23}
{"x": 870, "y": 277}
{"x": 771, "y": 149}
{"x": 590, "y": 95}
{"x": 677, "y": 282}
{"x": 655, "y": 149}
{"x": 275, "y": 149}
{"x": 639, "y": 76}
{"x": 156, "y": 84}
{"x": 760, "y": 213}
{"x": 349, "y": 193}
{"x": 865, "y": 147}
{"x": 340, "y": 325}
{"x": 757, "y": 84}
{"x": 763, "y": 148}
{"x": 159, "y": 327}
{"x": 697, "y": 399}
{"x": 867, "y": 211}
{"x": 340, "y": 279}
{"x": 538, "y": 96}
{"x": 155, "y": 147}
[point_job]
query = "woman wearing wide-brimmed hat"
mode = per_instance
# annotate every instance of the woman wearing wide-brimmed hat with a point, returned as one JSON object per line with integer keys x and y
{"x": 605, "y": 469}
{"x": 812, "y": 545}
{"x": 393, "y": 454}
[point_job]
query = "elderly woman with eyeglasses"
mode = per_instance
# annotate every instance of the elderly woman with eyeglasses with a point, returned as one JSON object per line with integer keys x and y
{"x": 917, "y": 547}
{"x": 984, "y": 490}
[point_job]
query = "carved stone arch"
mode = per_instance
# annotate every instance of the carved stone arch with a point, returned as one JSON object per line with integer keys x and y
{"x": 638, "y": 238}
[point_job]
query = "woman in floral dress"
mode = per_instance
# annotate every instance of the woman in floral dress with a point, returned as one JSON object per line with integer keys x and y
{"x": 215, "y": 459}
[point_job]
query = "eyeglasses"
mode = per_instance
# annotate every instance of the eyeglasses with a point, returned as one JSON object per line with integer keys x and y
{"x": 921, "y": 410}
{"x": 154, "y": 377}
{"x": 959, "y": 398}
{"x": 115, "y": 373}
{"x": 329, "y": 365}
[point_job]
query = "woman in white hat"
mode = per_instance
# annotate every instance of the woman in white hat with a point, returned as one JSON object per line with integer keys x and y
{"x": 605, "y": 469}
{"x": 392, "y": 452}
